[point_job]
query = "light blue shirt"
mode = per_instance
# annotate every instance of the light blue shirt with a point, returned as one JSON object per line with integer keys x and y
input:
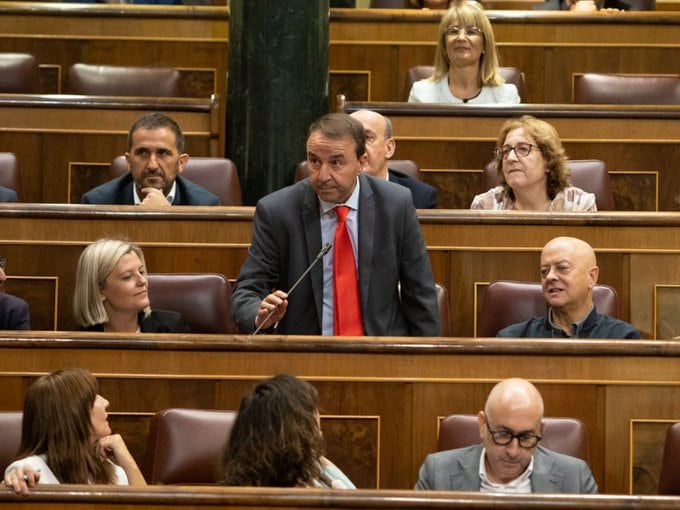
{"x": 328, "y": 221}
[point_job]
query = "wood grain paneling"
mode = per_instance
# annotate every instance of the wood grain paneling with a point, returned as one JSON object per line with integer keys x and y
{"x": 388, "y": 393}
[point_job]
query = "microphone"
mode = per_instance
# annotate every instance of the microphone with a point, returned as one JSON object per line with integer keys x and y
{"x": 321, "y": 254}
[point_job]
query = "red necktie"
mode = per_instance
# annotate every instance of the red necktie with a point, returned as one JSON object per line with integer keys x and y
{"x": 346, "y": 304}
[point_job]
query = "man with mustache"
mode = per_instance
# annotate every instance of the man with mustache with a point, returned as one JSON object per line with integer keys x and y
{"x": 155, "y": 157}
{"x": 508, "y": 460}
{"x": 568, "y": 274}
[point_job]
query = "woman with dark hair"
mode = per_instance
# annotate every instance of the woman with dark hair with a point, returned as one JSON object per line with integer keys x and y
{"x": 276, "y": 440}
{"x": 531, "y": 165}
{"x": 66, "y": 437}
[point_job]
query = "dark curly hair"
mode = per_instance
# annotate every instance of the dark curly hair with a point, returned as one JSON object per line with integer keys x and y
{"x": 275, "y": 440}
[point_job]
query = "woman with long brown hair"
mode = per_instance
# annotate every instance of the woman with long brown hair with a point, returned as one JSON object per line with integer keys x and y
{"x": 66, "y": 437}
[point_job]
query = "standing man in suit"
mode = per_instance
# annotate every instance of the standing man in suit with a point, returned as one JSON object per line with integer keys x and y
{"x": 395, "y": 284}
{"x": 155, "y": 157}
{"x": 380, "y": 147}
{"x": 14, "y": 312}
{"x": 509, "y": 459}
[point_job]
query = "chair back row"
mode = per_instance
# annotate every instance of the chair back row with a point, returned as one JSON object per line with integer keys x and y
{"x": 184, "y": 446}
{"x": 509, "y": 74}
{"x": 588, "y": 174}
{"x": 20, "y": 74}
{"x": 563, "y": 435}
{"x": 528, "y": 301}
{"x": 217, "y": 175}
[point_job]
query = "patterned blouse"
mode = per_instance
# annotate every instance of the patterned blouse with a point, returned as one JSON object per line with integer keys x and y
{"x": 569, "y": 199}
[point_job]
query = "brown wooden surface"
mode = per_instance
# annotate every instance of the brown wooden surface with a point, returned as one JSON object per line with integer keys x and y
{"x": 639, "y": 145}
{"x": 108, "y": 497}
{"x": 65, "y": 143}
{"x": 548, "y": 46}
{"x": 381, "y": 44}
{"x": 403, "y": 385}
{"x": 637, "y": 252}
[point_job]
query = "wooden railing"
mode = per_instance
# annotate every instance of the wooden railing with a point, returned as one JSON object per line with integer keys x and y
{"x": 452, "y": 143}
{"x": 65, "y": 143}
{"x": 381, "y": 398}
{"x": 637, "y": 253}
{"x": 194, "y": 498}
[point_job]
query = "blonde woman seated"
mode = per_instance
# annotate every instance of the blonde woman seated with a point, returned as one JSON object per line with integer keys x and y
{"x": 66, "y": 437}
{"x": 112, "y": 292}
{"x": 276, "y": 440}
{"x": 465, "y": 62}
{"x": 532, "y": 171}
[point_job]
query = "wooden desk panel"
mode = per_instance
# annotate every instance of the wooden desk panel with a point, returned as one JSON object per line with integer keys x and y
{"x": 452, "y": 144}
{"x": 196, "y": 498}
{"x": 549, "y": 47}
{"x": 51, "y": 135}
{"x": 403, "y": 386}
{"x": 638, "y": 253}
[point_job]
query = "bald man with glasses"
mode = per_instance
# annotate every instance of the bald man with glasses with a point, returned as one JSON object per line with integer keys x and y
{"x": 509, "y": 458}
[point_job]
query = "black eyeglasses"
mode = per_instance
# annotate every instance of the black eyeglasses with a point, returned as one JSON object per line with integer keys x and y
{"x": 469, "y": 31}
{"x": 521, "y": 149}
{"x": 503, "y": 437}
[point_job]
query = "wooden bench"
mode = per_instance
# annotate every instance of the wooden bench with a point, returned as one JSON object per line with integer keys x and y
{"x": 451, "y": 144}
{"x": 381, "y": 398}
{"x": 65, "y": 143}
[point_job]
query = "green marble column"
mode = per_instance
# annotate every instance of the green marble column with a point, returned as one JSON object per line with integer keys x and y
{"x": 277, "y": 86}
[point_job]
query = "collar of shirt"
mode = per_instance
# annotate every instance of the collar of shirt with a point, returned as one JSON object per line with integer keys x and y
{"x": 352, "y": 202}
{"x": 520, "y": 485}
{"x": 575, "y": 330}
{"x": 170, "y": 196}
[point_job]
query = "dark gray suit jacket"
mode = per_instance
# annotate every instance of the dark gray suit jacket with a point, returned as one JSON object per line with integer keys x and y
{"x": 14, "y": 313}
{"x": 7, "y": 195}
{"x": 287, "y": 238}
{"x": 424, "y": 195}
{"x": 458, "y": 470}
{"x": 118, "y": 191}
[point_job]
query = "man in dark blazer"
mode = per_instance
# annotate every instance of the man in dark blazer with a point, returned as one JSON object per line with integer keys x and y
{"x": 380, "y": 147}
{"x": 7, "y": 195}
{"x": 396, "y": 287}
{"x": 14, "y": 312}
{"x": 155, "y": 157}
{"x": 509, "y": 459}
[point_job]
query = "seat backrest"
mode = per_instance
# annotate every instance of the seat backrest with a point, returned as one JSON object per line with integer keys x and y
{"x": 405, "y": 166}
{"x": 509, "y": 302}
{"x": 600, "y": 88}
{"x": 509, "y": 74}
{"x": 202, "y": 298}
{"x": 669, "y": 478}
{"x": 588, "y": 174}
{"x": 563, "y": 435}
{"x": 184, "y": 446}
{"x": 10, "y": 437}
{"x": 10, "y": 176}
{"x": 97, "y": 80}
{"x": 217, "y": 175}
{"x": 19, "y": 74}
